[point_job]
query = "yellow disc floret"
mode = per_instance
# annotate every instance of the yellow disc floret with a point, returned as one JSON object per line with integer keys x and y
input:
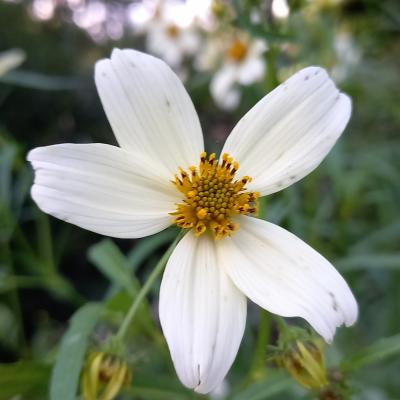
{"x": 213, "y": 196}
{"x": 237, "y": 51}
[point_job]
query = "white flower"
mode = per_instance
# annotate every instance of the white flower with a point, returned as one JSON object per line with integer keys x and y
{"x": 127, "y": 192}
{"x": 243, "y": 64}
{"x": 170, "y": 33}
{"x": 280, "y": 9}
{"x": 348, "y": 55}
{"x": 11, "y": 59}
{"x": 221, "y": 391}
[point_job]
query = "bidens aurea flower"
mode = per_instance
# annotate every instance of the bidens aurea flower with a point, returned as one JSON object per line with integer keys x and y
{"x": 160, "y": 175}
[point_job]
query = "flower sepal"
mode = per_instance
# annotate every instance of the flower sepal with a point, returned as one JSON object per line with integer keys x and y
{"x": 301, "y": 353}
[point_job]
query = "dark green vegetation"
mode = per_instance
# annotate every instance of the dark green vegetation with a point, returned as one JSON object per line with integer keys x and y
{"x": 348, "y": 209}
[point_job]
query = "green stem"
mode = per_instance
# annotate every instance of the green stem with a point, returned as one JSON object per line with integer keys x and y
{"x": 258, "y": 365}
{"x": 145, "y": 289}
{"x": 55, "y": 284}
{"x": 272, "y": 76}
{"x": 14, "y": 297}
{"x": 45, "y": 243}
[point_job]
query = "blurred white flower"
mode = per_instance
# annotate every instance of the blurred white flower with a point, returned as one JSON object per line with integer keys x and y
{"x": 221, "y": 391}
{"x": 43, "y": 9}
{"x": 169, "y": 28}
{"x": 11, "y": 59}
{"x": 202, "y": 14}
{"x": 92, "y": 14}
{"x": 348, "y": 56}
{"x": 139, "y": 14}
{"x": 127, "y": 192}
{"x": 280, "y": 9}
{"x": 240, "y": 62}
{"x": 101, "y": 20}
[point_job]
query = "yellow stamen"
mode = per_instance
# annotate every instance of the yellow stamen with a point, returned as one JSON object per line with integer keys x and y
{"x": 238, "y": 51}
{"x": 213, "y": 196}
{"x": 202, "y": 213}
{"x": 172, "y": 31}
{"x": 104, "y": 376}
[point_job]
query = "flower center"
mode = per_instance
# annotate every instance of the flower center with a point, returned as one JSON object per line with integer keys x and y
{"x": 172, "y": 31}
{"x": 213, "y": 196}
{"x": 238, "y": 51}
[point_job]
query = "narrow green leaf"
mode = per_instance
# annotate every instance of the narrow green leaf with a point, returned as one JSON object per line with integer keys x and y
{"x": 151, "y": 393}
{"x": 34, "y": 80}
{"x": 167, "y": 387}
{"x": 65, "y": 376}
{"x": 145, "y": 247}
{"x": 390, "y": 261}
{"x": 387, "y": 234}
{"x": 107, "y": 257}
{"x": 378, "y": 351}
{"x": 24, "y": 380}
{"x": 265, "y": 389}
{"x": 8, "y": 152}
{"x": 8, "y": 327}
{"x": 119, "y": 304}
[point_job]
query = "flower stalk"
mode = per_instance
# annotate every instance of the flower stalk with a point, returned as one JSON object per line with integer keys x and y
{"x": 120, "y": 335}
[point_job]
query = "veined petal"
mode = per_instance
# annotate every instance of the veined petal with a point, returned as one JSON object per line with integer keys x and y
{"x": 289, "y": 132}
{"x": 202, "y": 313}
{"x": 148, "y": 108}
{"x": 284, "y": 275}
{"x": 102, "y": 188}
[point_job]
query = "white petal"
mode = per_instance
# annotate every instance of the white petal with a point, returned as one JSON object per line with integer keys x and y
{"x": 202, "y": 314}
{"x": 102, "y": 188}
{"x": 222, "y": 87}
{"x": 284, "y": 275}
{"x": 252, "y": 70}
{"x": 149, "y": 109}
{"x": 159, "y": 42}
{"x": 190, "y": 41}
{"x": 288, "y": 133}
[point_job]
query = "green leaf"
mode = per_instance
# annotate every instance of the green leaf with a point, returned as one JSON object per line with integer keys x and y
{"x": 107, "y": 257}
{"x": 369, "y": 261}
{"x": 378, "y": 351}
{"x": 34, "y": 80}
{"x": 11, "y": 59}
{"x": 8, "y": 327}
{"x": 119, "y": 305}
{"x": 8, "y": 153}
{"x": 167, "y": 387}
{"x": 387, "y": 234}
{"x": 271, "y": 386}
{"x": 146, "y": 247}
{"x": 24, "y": 380}
{"x": 65, "y": 376}
{"x": 151, "y": 393}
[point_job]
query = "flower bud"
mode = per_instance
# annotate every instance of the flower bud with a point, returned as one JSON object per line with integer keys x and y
{"x": 305, "y": 361}
{"x": 103, "y": 376}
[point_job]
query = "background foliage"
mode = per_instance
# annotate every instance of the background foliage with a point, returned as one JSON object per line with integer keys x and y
{"x": 347, "y": 209}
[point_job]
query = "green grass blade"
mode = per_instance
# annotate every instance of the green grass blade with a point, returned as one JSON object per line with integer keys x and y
{"x": 67, "y": 369}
